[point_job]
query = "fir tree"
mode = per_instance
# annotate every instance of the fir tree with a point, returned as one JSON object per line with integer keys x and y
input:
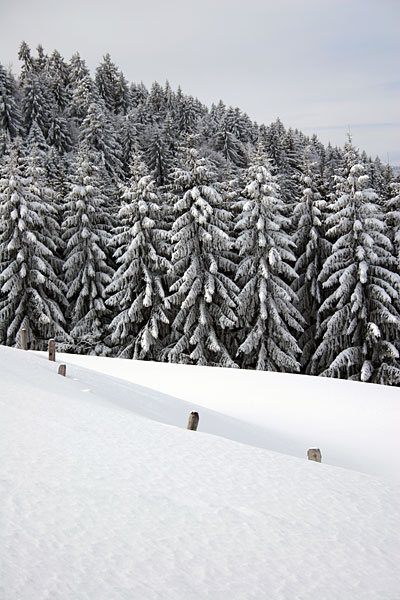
{"x": 137, "y": 289}
{"x": 112, "y": 86}
{"x": 138, "y": 94}
{"x": 83, "y": 95}
{"x": 86, "y": 232}
{"x": 230, "y": 147}
{"x": 129, "y": 137}
{"x": 59, "y": 80}
{"x": 156, "y": 103}
{"x": 266, "y": 300}
{"x": 157, "y": 153}
{"x": 359, "y": 311}
{"x": 10, "y": 115}
{"x": 24, "y": 55}
{"x": 59, "y": 135}
{"x": 311, "y": 251}
{"x": 78, "y": 70}
{"x": 33, "y": 296}
{"x": 36, "y": 102}
{"x": 97, "y": 132}
{"x": 203, "y": 293}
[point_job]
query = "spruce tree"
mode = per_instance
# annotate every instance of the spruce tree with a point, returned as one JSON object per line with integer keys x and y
{"x": 86, "y": 232}
{"x": 268, "y": 315}
{"x": 84, "y": 93}
{"x": 36, "y": 102}
{"x": 98, "y": 133}
{"x": 362, "y": 285}
{"x": 229, "y": 146}
{"x": 59, "y": 80}
{"x": 32, "y": 294}
{"x": 157, "y": 153}
{"x": 203, "y": 298}
{"x": 109, "y": 83}
{"x": 136, "y": 292}
{"x": 128, "y": 135}
{"x": 311, "y": 249}
{"x": 10, "y": 115}
{"x": 24, "y": 55}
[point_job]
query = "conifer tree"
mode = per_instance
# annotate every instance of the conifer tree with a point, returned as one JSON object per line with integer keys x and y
{"x": 40, "y": 63}
{"x": 83, "y": 95}
{"x": 98, "y": 133}
{"x": 112, "y": 86}
{"x": 157, "y": 153}
{"x": 156, "y": 103}
{"x": 203, "y": 296}
{"x": 32, "y": 295}
{"x": 59, "y": 135}
{"x": 128, "y": 135}
{"x": 78, "y": 70}
{"x": 122, "y": 95}
{"x": 59, "y": 80}
{"x": 137, "y": 289}
{"x": 361, "y": 285}
{"x": 238, "y": 124}
{"x": 393, "y": 218}
{"x": 266, "y": 300}
{"x": 24, "y": 55}
{"x": 57, "y": 169}
{"x": 36, "y": 102}
{"x": 138, "y": 94}
{"x": 86, "y": 232}
{"x": 230, "y": 147}
{"x": 189, "y": 113}
{"x": 311, "y": 251}
{"x": 10, "y": 114}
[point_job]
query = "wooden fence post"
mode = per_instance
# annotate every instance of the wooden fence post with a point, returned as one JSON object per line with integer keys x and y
{"x": 62, "y": 370}
{"x": 314, "y": 454}
{"x": 193, "y": 421}
{"x": 24, "y": 339}
{"x": 52, "y": 350}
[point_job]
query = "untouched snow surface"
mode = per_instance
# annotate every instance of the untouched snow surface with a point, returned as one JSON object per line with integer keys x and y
{"x": 356, "y": 425}
{"x": 99, "y": 502}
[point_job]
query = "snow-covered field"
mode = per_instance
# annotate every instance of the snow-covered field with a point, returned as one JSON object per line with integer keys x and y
{"x": 356, "y": 425}
{"x": 103, "y": 498}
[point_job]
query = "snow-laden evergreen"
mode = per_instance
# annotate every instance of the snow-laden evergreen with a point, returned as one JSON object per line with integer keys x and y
{"x": 87, "y": 271}
{"x": 137, "y": 291}
{"x": 112, "y": 86}
{"x": 10, "y": 114}
{"x": 362, "y": 284}
{"x": 392, "y": 220}
{"x": 266, "y": 300}
{"x": 98, "y": 133}
{"x": 82, "y": 89}
{"x": 58, "y": 108}
{"x": 157, "y": 153}
{"x": 32, "y": 296}
{"x": 393, "y": 217}
{"x": 36, "y": 104}
{"x": 311, "y": 249}
{"x": 204, "y": 295}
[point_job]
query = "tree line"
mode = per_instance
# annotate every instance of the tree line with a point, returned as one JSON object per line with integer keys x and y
{"x": 140, "y": 223}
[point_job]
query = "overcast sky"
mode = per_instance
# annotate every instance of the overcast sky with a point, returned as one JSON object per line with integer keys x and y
{"x": 323, "y": 66}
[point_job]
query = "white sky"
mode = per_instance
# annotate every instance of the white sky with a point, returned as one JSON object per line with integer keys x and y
{"x": 322, "y": 66}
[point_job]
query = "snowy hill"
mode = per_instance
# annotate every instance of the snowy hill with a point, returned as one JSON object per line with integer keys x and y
{"x": 356, "y": 425}
{"x": 101, "y": 498}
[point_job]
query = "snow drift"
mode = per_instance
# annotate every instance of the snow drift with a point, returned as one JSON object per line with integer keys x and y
{"x": 99, "y": 500}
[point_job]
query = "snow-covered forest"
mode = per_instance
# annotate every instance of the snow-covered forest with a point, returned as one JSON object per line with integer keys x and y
{"x": 139, "y": 223}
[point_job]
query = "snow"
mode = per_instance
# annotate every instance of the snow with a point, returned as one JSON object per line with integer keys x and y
{"x": 101, "y": 498}
{"x": 356, "y": 425}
